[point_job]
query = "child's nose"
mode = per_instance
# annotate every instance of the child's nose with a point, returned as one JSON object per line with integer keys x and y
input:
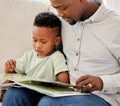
{"x": 38, "y": 45}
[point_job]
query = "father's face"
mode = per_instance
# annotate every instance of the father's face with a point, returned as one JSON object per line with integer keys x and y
{"x": 69, "y": 10}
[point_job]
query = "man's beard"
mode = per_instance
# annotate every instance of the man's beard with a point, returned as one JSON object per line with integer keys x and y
{"x": 73, "y": 22}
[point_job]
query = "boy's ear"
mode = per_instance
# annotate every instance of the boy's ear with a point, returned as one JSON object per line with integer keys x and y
{"x": 57, "y": 40}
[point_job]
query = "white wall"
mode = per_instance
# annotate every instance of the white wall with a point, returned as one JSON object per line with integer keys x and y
{"x": 113, "y": 4}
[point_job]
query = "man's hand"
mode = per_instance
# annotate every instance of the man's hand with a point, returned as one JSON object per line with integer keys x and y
{"x": 89, "y": 83}
{"x": 10, "y": 66}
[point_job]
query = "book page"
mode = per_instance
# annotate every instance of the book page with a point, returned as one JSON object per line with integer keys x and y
{"x": 7, "y": 80}
{"x": 54, "y": 89}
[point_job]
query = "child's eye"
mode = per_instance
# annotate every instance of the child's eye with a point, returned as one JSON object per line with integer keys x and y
{"x": 34, "y": 40}
{"x": 43, "y": 41}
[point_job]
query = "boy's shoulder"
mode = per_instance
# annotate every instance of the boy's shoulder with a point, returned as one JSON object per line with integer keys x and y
{"x": 57, "y": 54}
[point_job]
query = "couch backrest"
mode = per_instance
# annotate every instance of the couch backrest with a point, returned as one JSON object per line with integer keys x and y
{"x": 16, "y": 19}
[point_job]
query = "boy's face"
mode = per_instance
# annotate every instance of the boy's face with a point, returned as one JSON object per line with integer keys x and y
{"x": 44, "y": 40}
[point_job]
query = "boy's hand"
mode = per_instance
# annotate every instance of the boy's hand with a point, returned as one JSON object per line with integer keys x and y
{"x": 10, "y": 66}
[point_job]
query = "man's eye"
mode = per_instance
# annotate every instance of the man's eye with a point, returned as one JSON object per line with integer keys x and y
{"x": 62, "y": 8}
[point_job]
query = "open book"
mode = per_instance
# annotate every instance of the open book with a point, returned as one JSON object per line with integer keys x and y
{"x": 50, "y": 88}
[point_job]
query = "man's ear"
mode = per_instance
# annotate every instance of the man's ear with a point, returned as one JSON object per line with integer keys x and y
{"x": 57, "y": 40}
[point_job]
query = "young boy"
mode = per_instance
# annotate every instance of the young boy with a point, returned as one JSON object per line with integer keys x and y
{"x": 44, "y": 62}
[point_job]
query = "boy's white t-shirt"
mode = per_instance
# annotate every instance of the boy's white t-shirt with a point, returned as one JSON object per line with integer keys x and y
{"x": 43, "y": 68}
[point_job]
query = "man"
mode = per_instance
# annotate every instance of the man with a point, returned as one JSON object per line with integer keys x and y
{"x": 92, "y": 46}
{"x": 91, "y": 43}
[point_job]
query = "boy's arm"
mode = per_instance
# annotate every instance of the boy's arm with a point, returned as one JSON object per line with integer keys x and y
{"x": 63, "y": 77}
{"x": 60, "y": 67}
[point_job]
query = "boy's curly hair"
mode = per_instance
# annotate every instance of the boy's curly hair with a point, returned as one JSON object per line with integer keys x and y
{"x": 47, "y": 19}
